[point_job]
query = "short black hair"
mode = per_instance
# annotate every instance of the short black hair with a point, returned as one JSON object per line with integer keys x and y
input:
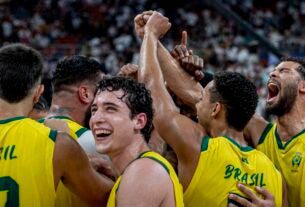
{"x": 299, "y": 60}
{"x": 136, "y": 96}
{"x": 75, "y": 69}
{"x": 238, "y": 95}
{"x": 20, "y": 70}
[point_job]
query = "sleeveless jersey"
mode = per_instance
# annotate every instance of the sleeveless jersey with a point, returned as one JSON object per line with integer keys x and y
{"x": 288, "y": 158}
{"x": 26, "y": 163}
{"x": 161, "y": 160}
{"x": 64, "y": 197}
{"x": 222, "y": 164}
{"x": 76, "y": 130}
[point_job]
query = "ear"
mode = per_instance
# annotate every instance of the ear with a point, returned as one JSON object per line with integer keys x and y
{"x": 39, "y": 90}
{"x": 84, "y": 94}
{"x": 140, "y": 121}
{"x": 302, "y": 86}
{"x": 216, "y": 109}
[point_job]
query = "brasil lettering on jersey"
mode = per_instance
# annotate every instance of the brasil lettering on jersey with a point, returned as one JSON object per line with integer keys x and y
{"x": 255, "y": 179}
{"x": 7, "y": 152}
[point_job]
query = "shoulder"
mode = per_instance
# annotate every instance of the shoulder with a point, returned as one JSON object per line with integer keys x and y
{"x": 145, "y": 177}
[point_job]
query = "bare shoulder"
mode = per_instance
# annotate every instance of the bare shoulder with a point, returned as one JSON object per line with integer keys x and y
{"x": 145, "y": 182}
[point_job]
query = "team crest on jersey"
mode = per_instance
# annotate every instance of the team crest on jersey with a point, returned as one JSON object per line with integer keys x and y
{"x": 296, "y": 160}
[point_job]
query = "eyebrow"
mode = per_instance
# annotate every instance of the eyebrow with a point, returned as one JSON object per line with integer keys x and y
{"x": 110, "y": 104}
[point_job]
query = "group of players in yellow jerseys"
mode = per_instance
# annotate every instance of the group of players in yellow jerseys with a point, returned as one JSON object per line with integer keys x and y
{"x": 51, "y": 162}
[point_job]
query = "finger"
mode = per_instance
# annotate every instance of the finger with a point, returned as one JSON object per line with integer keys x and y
{"x": 191, "y": 52}
{"x": 174, "y": 54}
{"x": 240, "y": 200}
{"x": 264, "y": 192}
{"x": 201, "y": 63}
{"x": 139, "y": 20}
{"x": 197, "y": 62}
{"x": 198, "y": 75}
{"x": 184, "y": 38}
{"x": 184, "y": 50}
{"x": 149, "y": 12}
{"x": 180, "y": 52}
{"x": 247, "y": 192}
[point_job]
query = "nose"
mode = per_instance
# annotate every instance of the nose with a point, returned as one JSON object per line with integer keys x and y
{"x": 96, "y": 119}
{"x": 273, "y": 74}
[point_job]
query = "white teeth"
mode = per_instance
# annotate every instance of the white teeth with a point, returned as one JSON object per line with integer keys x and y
{"x": 103, "y": 131}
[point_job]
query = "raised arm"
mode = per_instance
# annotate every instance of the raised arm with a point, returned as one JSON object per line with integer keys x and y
{"x": 169, "y": 123}
{"x": 179, "y": 81}
{"x": 71, "y": 165}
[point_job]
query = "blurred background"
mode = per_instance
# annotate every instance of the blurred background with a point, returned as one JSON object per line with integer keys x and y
{"x": 247, "y": 36}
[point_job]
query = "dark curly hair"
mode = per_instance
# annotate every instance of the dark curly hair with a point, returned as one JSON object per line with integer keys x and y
{"x": 301, "y": 61}
{"x": 136, "y": 96}
{"x": 238, "y": 95}
{"x": 75, "y": 69}
{"x": 20, "y": 70}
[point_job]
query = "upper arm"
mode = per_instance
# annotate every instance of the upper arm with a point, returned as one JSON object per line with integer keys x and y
{"x": 144, "y": 183}
{"x": 255, "y": 128}
{"x": 71, "y": 165}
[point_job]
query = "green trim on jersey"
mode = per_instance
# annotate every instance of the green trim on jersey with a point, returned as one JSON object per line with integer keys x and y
{"x": 161, "y": 163}
{"x": 265, "y": 132}
{"x": 244, "y": 149}
{"x": 205, "y": 143}
{"x": 53, "y": 135}
{"x": 279, "y": 141}
{"x": 81, "y": 131}
{"x": 11, "y": 119}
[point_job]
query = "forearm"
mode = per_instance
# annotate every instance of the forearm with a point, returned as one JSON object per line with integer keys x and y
{"x": 179, "y": 81}
{"x": 150, "y": 73}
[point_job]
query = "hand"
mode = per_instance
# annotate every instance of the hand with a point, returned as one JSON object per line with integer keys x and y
{"x": 268, "y": 200}
{"x": 129, "y": 70}
{"x": 102, "y": 164}
{"x": 57, "y": 124}
{"x": 157, "y": 24}
{"x": 192, "y": 64}
{"x": 140, "y": 21}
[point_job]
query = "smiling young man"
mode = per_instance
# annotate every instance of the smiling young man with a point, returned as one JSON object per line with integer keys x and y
{"x": 284, "y": 140}
{"x": 121, "y": 123}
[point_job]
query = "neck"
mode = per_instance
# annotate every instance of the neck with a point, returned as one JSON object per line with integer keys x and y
{"x": 291, "y": 123}
{"x": 122, "y": 159}
{"x": 63, "y": 105}
{"x": 222, "y": 129}
{"x": 9, "y": 110}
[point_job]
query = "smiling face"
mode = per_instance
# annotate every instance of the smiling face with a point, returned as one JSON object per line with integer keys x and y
{"x": 111, "y": 122}
{"x": 283, "y": 88}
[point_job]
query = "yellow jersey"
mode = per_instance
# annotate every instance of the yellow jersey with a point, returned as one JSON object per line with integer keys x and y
{"x": 288, "y": 158}
{"x": 222, "y": 164}
{"x": 64, "y": 197}
{"x": 76, "y": 130}
{"x": 26, "y": 163}
{"x": 161, "y": 160}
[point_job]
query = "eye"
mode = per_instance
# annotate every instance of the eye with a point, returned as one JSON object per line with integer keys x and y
{"x": 110, "y": 109}
{"x": 93, "y": 110}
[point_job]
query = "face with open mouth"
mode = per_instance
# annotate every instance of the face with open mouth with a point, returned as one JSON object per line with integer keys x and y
{"x": 110, "y": 122}
{"x": 282, "y": 90}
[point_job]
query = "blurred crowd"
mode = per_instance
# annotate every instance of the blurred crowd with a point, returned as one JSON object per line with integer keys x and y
{"x": 103, "y": 29}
